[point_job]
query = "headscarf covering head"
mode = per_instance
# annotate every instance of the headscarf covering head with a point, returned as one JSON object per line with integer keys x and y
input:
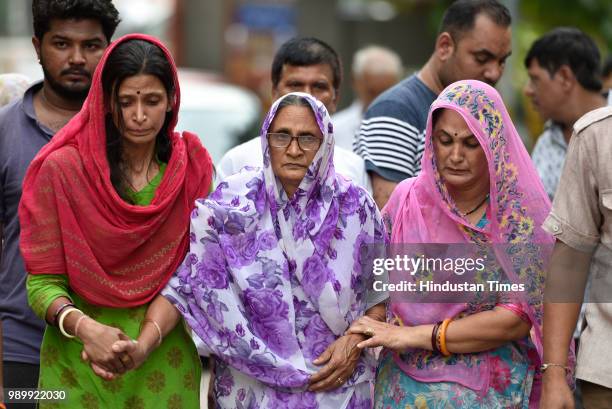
{"x": 322, "y": 166}
{"x": 74, "y": 222}
{"x": 283, "y": 277}
{"x": 421, "y": 210}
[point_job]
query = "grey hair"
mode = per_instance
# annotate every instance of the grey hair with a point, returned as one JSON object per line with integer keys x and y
{"x": 377, "y": 60}
{"x": 293, "y": 100}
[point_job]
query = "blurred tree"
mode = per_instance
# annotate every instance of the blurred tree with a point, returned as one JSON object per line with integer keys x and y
{"x": 591, "y": 16}
{"x": 594, "y": 17}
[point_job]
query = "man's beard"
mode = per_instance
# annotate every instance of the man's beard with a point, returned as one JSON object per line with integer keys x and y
{"x": 74, "y": 94}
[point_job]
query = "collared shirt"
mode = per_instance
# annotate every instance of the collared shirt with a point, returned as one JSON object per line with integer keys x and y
{"x": 346, "y": 125}
{"x": 21, "y": 137}
{"x": 548, "y": 156}
{"x": 581, "y": 218}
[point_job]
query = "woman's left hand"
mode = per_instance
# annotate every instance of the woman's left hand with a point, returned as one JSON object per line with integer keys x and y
{"x": 382, "y": 334}
{"x": 340, "y": 360}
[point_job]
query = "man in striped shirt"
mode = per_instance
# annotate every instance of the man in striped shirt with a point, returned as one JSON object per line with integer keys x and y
{"x": 473, "y": 43}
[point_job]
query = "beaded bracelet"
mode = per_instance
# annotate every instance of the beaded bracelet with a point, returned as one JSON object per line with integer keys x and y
{"x": 547, "y": 365}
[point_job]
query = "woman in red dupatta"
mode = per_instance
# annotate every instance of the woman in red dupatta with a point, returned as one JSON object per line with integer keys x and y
{"x": 105, "y": 222}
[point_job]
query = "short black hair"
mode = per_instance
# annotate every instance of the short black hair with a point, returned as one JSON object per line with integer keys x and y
{"x": 306, "y": 51}
{"x": 607, "y": 67}
{"x": 572, "y": 47}
{"x": 43, "y": 11}
{"x": 460, "y": 16}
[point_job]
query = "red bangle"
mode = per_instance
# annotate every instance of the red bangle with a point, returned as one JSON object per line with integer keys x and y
{"x": 434, "y": 337}
{"x": 59, "y": 311}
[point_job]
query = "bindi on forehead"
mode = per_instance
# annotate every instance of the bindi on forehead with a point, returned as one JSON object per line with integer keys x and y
{"x": 458, "y": 134}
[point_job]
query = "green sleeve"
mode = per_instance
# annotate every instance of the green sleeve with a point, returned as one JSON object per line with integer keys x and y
{"x": 43, "y": 289}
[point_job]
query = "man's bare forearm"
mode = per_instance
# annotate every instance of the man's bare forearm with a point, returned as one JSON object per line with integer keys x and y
{"x": 565, "y": 284}
{"x": 382, "y": 189}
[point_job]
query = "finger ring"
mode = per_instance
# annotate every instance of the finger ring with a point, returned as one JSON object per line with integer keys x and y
{"x": 124, "y": 359}
{"x": 340, "y": 381}
{"x": 368, "y": 332}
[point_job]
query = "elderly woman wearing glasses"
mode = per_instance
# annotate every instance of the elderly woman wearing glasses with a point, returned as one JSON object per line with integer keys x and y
{"x": 274, "y": 276}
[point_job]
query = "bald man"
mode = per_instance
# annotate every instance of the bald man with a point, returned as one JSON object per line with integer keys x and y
{"x": 374, "y": 70}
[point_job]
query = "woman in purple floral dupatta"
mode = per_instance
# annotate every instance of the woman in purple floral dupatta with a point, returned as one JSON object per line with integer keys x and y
{"x": 274, "y": 275}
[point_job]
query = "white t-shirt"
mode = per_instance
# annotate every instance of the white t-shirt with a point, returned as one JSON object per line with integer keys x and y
{"x": 347, "y": 163}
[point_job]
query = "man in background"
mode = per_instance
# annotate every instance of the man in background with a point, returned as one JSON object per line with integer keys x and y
{"x": 12, "y": 87}
{"x": 374, "y": 70}
{"x": 607, "y": 75}
{"x": 69, "y": 39}
{"x": 564, "y": 84}
{"x": 306, "y": 65}
{"x": 474, "y": 42}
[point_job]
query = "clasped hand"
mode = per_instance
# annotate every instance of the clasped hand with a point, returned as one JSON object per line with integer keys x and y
{"x": 339, "y": 361}
{"x": 109, "y": 351}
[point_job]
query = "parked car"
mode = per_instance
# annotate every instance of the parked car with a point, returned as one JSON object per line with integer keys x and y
{"x": 222, "y": 115}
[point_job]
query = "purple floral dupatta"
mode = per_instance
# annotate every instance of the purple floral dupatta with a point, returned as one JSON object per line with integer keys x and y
{"x": 269, "y": 282}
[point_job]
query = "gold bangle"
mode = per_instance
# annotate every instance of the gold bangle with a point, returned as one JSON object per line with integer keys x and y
{"x": 548, "y": 365}
{"x": 78, "y": 323}
{"x": 159, "y": 331}
{"x": 442, "y": 330}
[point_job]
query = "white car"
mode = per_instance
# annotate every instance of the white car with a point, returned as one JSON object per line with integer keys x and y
{"x": 222, "y": 115}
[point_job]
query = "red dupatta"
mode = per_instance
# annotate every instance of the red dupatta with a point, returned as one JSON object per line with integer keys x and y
{"x": 73, "y": 221}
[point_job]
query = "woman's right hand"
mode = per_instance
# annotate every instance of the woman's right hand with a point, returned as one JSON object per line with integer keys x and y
{"x": 135, "y": 351}
{"x": 98, "y": 340}
{"x": 391, "y": 336}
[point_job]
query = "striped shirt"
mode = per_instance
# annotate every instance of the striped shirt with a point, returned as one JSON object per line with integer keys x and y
{"x": 392, "y": 133}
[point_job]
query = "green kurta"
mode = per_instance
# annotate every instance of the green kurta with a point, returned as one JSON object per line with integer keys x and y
{"x": 170, "y": 378}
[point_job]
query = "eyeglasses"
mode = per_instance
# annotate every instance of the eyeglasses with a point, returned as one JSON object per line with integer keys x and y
{"x": 283, "y": 140}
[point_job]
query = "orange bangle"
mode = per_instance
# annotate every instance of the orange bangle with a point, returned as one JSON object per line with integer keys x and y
{"x": 442, "y": 330}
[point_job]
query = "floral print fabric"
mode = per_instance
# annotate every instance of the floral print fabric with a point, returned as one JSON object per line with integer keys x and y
{"x": 270, "y": 282}
{"x": 510, "y": 386}
{"x": 517, "y": 207}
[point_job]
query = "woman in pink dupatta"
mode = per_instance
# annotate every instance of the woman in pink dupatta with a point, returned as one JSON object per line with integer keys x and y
{"x": 477, "y": 185}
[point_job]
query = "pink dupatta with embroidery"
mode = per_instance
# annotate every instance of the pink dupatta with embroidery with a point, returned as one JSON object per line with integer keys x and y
{"x": 420, "y": 210}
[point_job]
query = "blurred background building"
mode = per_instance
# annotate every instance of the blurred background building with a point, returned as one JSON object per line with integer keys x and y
{"x": 228, "y": 46}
